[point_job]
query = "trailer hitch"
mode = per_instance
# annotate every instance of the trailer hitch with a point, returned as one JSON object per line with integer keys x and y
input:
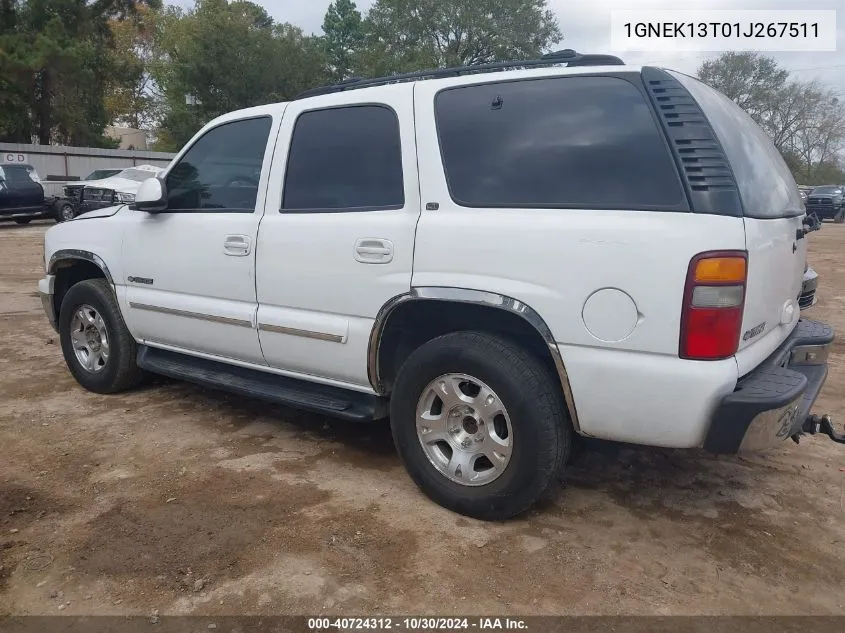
{"x": 822, "y": 424}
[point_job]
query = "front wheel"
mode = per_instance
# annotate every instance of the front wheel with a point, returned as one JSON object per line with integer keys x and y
{"x": 64, "y": 211}
{"x": 98, "y": 348}
{"x": 480, "y": 424}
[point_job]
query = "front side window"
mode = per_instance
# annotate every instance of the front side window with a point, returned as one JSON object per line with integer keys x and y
{"x": 220, "y": 172}
{"x": 563, "y": 142}
{"x": 345, "y": 159}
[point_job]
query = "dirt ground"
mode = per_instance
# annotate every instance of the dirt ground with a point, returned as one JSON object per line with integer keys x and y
{"x": 181, "y": 500}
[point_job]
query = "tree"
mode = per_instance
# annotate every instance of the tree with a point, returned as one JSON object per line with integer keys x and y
{"x": 343, "y": 36}
{"x": 54, "y": 64}
{"x": 130, "y": 94}
{"x": 820, "y": 138}
{"x": 805, "y": 120}
{"x": 404, "y": 35}
{"x": 753, "y": 81}
{"x": 223, "y": 56}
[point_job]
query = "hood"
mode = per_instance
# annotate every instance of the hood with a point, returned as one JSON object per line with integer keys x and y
{"x": 119, "y": 183}
{"x": 115, "y": 183}
{"x": 99, "y": 213}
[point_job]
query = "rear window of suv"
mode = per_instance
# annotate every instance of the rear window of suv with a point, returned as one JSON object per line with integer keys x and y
{"x": 562, "y": 142}
{"x": 765, "y": 183}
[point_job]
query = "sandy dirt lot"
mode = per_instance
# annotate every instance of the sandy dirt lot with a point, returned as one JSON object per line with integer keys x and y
{"x": 181, "y": 500}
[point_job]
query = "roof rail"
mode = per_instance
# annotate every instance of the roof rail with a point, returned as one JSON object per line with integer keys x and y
{"x": 566, "y": 56}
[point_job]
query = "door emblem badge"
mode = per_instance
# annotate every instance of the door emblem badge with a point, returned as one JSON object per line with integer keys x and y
{"x": 140, "y": 280}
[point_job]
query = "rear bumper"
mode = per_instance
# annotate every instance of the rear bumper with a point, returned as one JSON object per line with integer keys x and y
{"x": 771, "y": 403}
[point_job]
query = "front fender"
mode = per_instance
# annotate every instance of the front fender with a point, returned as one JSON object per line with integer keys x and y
{"x": 70, "y": 254}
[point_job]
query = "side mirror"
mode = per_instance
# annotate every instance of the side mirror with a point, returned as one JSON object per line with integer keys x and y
{"x": 151, "y": 196}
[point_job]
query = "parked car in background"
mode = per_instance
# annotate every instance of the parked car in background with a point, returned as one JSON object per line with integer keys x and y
{"x": 827, "y": 202}
{"x": 22, "y": 196}
{"x": 120, "y": 188}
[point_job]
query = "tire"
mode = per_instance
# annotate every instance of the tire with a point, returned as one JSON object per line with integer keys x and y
{"x": 64, "y": 211}
{"x": 23, "y": 220}
{"x": 534, "y": 418}
{"x": 115, "y": 371}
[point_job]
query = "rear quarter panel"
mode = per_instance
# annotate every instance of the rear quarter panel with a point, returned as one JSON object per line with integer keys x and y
{"x": 609, "y": 285}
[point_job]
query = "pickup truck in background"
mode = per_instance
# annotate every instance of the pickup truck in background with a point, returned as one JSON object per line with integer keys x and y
{"x": 827, "y": 202}
{"x": 22, "y": 196}
{"x": 118, "y": 187}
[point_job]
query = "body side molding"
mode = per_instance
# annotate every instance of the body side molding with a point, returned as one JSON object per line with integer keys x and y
{"x": 476, "y": 297}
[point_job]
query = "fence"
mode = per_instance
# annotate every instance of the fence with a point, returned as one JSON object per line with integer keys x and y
{"x": 63, "y": 163}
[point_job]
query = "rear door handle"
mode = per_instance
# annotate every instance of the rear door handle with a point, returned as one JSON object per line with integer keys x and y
{"x": 237, "y": 245}
{"x": 373, "y": 250}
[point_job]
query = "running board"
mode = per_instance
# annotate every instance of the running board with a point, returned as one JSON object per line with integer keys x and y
{"x": 299, "y": 394}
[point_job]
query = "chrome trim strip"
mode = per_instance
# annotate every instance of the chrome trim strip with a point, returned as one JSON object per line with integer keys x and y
{"x": 71, "y": 253}
{"x": 320, "y": 336}
{"x": 478, "y": 297}
{"x": 191, "y": 315}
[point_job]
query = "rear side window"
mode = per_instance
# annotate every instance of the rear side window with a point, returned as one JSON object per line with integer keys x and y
{"x": 345, "y": 159}
{"x": 765, "y": 183}
{"x": 567, "y": 142}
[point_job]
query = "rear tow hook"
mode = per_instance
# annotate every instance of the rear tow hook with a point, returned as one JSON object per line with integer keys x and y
{"x": 822, "y": 424}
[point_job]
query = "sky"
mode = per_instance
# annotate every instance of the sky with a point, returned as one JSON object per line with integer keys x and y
{"x": 586, "y": 28}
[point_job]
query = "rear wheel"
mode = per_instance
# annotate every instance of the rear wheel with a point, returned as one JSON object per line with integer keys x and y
{"x": 479, "y": 424}
{"x": 98, "y": 348}
{"x": 23, "y": 220}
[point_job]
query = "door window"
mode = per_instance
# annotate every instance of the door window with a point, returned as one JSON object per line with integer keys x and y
{"x": 220, "y": 172}
{"x": 345, "y": 159}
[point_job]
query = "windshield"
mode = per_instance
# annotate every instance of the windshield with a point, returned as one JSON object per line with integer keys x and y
{"x": 99, "y": 174}
{"x": 827, "y": 191}
{"x": 138, "y": 175}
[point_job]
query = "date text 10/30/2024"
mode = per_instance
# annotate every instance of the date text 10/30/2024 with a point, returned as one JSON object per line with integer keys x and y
{"x": 416, "y": 624}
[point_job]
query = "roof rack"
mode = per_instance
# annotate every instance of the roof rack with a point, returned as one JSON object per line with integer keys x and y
{"x": 566, "y": 56}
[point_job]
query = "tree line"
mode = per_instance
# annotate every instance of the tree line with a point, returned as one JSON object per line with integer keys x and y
{"x": 68, "y": 68}
{"x": 805, "y": 119}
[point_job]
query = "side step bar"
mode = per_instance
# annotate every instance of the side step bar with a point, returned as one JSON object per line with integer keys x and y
{"x": 299, "y": 394}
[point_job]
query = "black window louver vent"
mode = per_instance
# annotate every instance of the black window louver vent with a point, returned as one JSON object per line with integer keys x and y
{"x": 705, "y": 168}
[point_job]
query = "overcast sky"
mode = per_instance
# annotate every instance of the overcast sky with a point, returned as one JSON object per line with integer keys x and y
{"x": 586, "y": 28}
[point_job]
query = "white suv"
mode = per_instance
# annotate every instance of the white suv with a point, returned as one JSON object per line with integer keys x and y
{"x": 496, "y": 257}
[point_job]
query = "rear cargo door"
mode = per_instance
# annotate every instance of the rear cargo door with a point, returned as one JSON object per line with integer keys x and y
{"x": 773, "y": 218}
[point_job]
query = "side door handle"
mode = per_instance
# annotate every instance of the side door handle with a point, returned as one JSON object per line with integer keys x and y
{"x": 237, "y": 245}
{"x": 372, "y": 250}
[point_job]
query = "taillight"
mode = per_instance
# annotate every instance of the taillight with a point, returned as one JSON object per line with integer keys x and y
{"x": 714, "y": 296}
